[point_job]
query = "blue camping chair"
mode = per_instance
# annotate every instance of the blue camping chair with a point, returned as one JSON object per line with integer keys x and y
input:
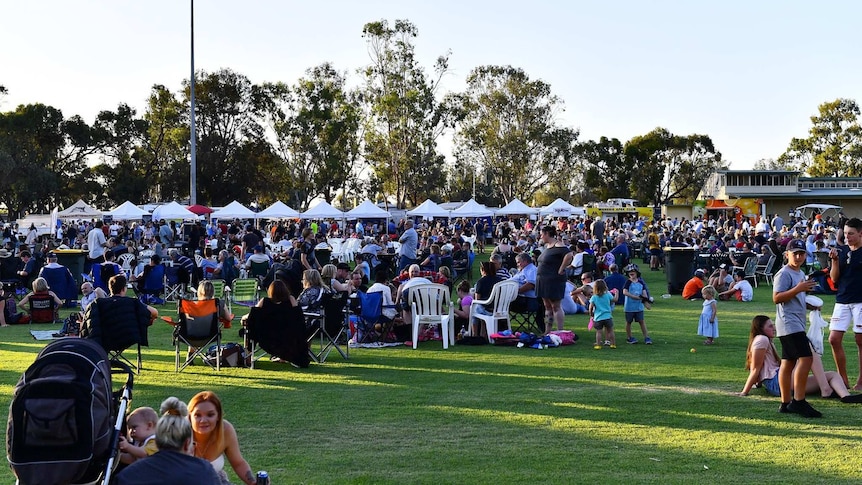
{"x": 62, "y": 283}
{"x": 153, "y": 284}
{"x": 370, "y": 315}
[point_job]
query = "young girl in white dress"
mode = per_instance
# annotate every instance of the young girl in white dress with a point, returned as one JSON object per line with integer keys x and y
{"x": 708, "y": 324}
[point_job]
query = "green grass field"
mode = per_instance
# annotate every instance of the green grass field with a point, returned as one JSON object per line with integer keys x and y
{"x": 637, "y": 414}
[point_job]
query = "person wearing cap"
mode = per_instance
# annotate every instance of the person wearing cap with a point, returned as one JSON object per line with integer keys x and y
{"x": 693, "y": 287}
{"x": 846, "y": 272}
{"x": 788, "y": 293}
{"x": 637, "y": 299}
{"x": 740, "y": 288}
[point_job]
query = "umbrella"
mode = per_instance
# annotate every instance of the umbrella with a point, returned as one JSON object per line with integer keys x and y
{"x": 200, "y": 210}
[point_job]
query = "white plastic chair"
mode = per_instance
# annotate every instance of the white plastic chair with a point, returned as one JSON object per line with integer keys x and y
{"x": 428, "y": 305}
{"x": 126, "y": 263}
{"x": 502, "y": 295}
{"x": 337, "y": 249}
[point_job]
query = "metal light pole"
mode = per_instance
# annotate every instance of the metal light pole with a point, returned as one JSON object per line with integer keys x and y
{"x": 193, "y": 191}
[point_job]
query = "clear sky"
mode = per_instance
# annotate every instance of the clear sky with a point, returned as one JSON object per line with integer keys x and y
{"x": 747, "y": 73}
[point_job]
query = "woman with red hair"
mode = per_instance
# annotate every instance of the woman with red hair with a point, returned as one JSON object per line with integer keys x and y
{"x": 215, "y": 438}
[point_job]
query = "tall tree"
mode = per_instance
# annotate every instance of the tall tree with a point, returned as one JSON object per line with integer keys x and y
{"x": 317, "y": 134}
{"x": 164, "y": 156}
{"x": 120, "y": 172}
{"x": 607, "y": 172}
{"x": 404, "y": 118}
{"x": 834, "y": 144}
{"x": 506, "y": 125}
{"x": 42, "y": 157}
{"x": 668, "y": 167}
{"x": 228, "y": 112}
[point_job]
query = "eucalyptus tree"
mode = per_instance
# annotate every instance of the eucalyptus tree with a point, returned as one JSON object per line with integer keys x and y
{"x": 666, "y": 166}
{"x": 42, "y": 157}
{"x": 229, "y": 112}
{"x": 403, "y": 117}
{"x": 506, "y": 125}
{"x": 607, "y": 172}
{"x": 833, "y": 147}
{"x": 317, "y": 126}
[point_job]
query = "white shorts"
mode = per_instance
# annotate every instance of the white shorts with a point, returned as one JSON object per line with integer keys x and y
{"x": 844, "y": 315}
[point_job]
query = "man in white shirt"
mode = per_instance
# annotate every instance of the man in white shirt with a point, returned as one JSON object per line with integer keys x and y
{"x": 740, "y": 288}
{"x": 96, "y": 241}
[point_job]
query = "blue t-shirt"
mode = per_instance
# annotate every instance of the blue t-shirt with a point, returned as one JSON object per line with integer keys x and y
{"x": 602, "y": 306}
{"x": 634, "y": 304}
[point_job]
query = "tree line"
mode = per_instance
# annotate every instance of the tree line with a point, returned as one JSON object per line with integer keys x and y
{"x": 318, "y": 137}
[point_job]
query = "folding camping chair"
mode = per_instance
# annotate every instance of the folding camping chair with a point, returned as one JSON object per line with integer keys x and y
{"x": 152, "y": 284}
{"x": 174, "y": 287}
{"x": 118, "y": 323}
{"x": 371, "y": 315}
{"x": 43, "y": 309}
{"x": 326, "y": 327}
{"x": 102, "y": 272}
{"x": 244, "y": 291}
{"x": 278, "y": 330}
{"x": 198, "y": 328}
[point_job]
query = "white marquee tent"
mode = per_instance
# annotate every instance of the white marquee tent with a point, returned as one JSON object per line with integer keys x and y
{"x": 127, "y": 212}
{"x": 516, "y": 207}
{"x": 173, "y": 211}
{"x": 322, "y": 211}
{"x": 234, "y": 210}
{"x": 278, "y": 210}
{"x": 367, "y": 210}
{"x": 79, "y": 210}
{"x": 428, "y": 210}
{"x": 471, "y": 208}
{"x": 561, "y": 208}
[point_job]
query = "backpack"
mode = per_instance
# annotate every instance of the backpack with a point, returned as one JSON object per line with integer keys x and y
{"x": 60, "y": 419}
{"x": 232, "y": 355}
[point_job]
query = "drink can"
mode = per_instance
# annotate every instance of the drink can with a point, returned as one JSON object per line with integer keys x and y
{"x": 262, "y": 478}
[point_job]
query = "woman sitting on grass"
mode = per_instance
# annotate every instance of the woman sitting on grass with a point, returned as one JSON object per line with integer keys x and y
{"x": 762, "y": 362}
{"x": 215, "y": 438}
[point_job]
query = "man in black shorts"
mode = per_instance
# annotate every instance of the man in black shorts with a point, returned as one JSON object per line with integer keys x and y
{"x": 789, "y": 297}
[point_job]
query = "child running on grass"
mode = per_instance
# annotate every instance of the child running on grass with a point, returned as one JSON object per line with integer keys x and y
{"x": 636, "y": 299}
{"x": 600, "y": 312}
{"x": 708, "y": 325}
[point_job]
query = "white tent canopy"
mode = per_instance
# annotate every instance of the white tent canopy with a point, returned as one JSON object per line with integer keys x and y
{"x": 322, "y": 211}
{"x": 234, "y": 210}
{"x": 428, "y": 210}
{"x": 561, "y": 208}
{"x": 471, "y": 208}
{"x": 127, "y": 212}
{"x": 80, "y": 210}
{"x": 367, "y": 210}
{"x": 278, "y": 210}
{"x": 173, "y": 211}
{"x": 516, "y": 207}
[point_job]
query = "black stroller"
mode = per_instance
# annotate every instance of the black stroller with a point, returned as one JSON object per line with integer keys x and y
{"x": 65, "y": 419}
